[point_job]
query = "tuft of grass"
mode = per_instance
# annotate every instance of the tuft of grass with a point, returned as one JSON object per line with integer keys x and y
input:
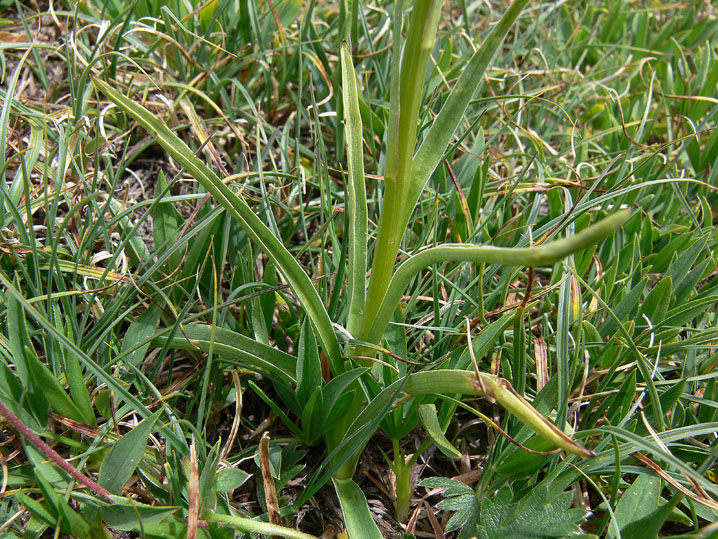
{"x": 191, "y": 196}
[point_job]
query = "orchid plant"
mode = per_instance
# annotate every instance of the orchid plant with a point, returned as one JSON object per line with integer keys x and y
{"x": 346, "y": 408}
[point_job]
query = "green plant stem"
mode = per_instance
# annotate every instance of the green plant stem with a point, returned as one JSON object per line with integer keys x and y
{"x": 519, "y": 364}
{"x": 402, "y": 470}
{"x": 406, "y": 174}
{"x": 401, "y": 142}
{"x": 461, "y": 252}
{"x": 480, "y": 299}
{"x": 335, "y": 436}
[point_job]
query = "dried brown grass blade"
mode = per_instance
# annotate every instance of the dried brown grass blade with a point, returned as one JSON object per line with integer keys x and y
{"x": 270, "y": 490}
{"x": 193, "y": 511}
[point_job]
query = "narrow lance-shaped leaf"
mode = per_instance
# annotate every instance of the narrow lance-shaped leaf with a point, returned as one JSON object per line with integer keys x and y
{"x": 432, "y": 149}
{"x": 299, "y": 281}
{"x": 136, "y": 340}
{"x": 128, "y": 514}
{"x": 253, "y": 526}
{"x": 73, "y": 373}
{"x": 166, "y": 222}
{"x": 528, "y": 256}
{"x": 466, "y": 382}
{"x": 357, "y": 517}
{"x": 430, "y": 420}
{"x": 16, "y": 330}
{"x": 356, "y": 220}
{"x": 47, "y": 383}
{"x": 125, "y": 455}
{"x": 639, "y": 501}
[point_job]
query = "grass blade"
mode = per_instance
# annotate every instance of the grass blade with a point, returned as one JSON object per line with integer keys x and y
{"x": 232, "y": 345}
{"x": 357, "y": 517}
{"x": 88, "y": 362}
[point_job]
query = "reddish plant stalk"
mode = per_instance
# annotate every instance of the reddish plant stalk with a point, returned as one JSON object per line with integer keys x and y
{"x": 53, "y": 455}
